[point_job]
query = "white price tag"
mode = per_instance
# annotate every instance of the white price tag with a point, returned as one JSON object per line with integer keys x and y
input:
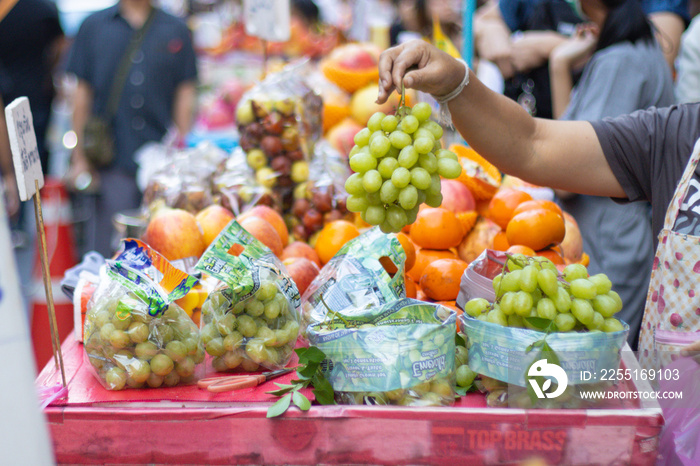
{"x": 25, "y": 152}
{"x": 267, "y": 19}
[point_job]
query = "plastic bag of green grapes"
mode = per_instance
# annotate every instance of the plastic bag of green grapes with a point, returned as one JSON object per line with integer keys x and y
{"x": 135, "y": 335}
{"x": 400, "y": 353}
{"x": 355, "y": 278}
{"x": 251, "y": 319}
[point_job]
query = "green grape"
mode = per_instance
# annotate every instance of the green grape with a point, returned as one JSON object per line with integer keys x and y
{"x": 272, "y": 309}
{"x": 545, "y": 264}
{"x": 356, "y": 203}
{"x": 562, "y": 300}
{"x": 435, "y": 185}
{"x": 185, "y": 368}
{"x": 388, "y": 192}
{"x": 496, "y": 316}
{"x": 401, "y": 177}
{"x": 379, "y": 146}
{"x": 597, "y": 322}
{"x": 409, "y": 124}
{"x": 582, "y": 310}
{"x": 138, "y": 332}
{"x": 399, "y": 139}
{"x": 423, "y": 145}
{"x": 528, "y": 278}
{"x": 393, "y": 152}
{"x": 232, "y": 341}
{"x": 547, "y": 280}
{"x": 146, "y": 350}
{"x": 396, "y": 217}
{"x": 511, "y": 281}
{"x": 375, "y": 214}
{"x": 448, "y": 168}
{"x": 428, "y": 162}
{"x": 408, "y": 157}
{"x": 514, "y": 320}
{"x": 372, "y": 181}
{"x": 602, "y": 283}
{"x": 375, "y": 121}
{"x": 522, "y": 304}
{"x": 434, "y": 128}
{"x": 176, "y": 350}
{"x": 254, "y": 308}
{"x": 115, "y": 378}
{"x": 353, "y": 185}
{"x": 373, "y": 199}
{"x": 612, "y": 325}
{"x": 546, "y": 309}
{"x": 154, "y": 381}
{"x": 605, "y": 305}
{"x": 412, "y": 214}
{"x": 355, "y": 149}
{"x": 422, "y": 133}
{"x": 446, "y": 154}
{"x": 362, "y": 137}
{"x": 433, "y": 200}
{"x": 247, "y": 326}
{"x": 362, "y": 162}
{"x": 618, "y": 300}
{"x": 408, "y": 197}
{"x": 565, "y": 322}
{"x": 496, "y": 283}
{"x": 389, "y": 123}
{"x": 574, "y": 271}
{"x": 161, "y": 365}
{"x": 171, "y": 379}
{"x": 119, "y": 339}
{"x": 507, "y": 303}
{"x": 420, "y": 178}
{"x": 386, "y": 167}
{"x": 421, "y": 111}
{"x": 477, "y": 306}
{"x": 582, "y": 288}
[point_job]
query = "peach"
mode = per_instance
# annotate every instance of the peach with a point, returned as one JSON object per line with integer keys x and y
{"x": 212, "y": 219}
{"x": 300, "y": 249}
{"x": 175, "y": 234}
{"x": 456, "y": 197}
{"x": 302, "y": 270}
{"x": 272, "y": 217}
{"x": 263, "y": 232}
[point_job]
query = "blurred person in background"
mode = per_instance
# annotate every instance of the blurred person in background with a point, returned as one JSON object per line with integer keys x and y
{"x": 159, "y": 93}
{"x": 415, "y": 19}
{"x": 625, "y": 71}
{"x": 31, "y": 44}
{"x": 688, "y": 65}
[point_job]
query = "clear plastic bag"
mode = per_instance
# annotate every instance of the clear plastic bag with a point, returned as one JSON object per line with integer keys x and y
{"x": 251, "y": 318}
{"x": 135, "y": 335}
{"x": 279, "y": 121}
{"x": 322, "y": 198}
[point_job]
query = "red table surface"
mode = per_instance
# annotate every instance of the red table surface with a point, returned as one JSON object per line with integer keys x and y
{"x": 187, "y": 425}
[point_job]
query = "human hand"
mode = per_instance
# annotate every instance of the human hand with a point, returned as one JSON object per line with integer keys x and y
{"x": 418, "y": 65}
{"x": 578, "y": 47}
{"x": 692, "y": 350}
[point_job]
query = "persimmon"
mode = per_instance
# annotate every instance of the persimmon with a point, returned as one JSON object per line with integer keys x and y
{"x": 478, "y": 174}
{"x": 520, "y": 249}
{"x": 504, "y": 203}
{"x": 332, "y": 237}
{"x": 451, "y": 305}
{"x": 408, "y": 248}
{"x": 536, "y": 228}
{"x": 425, "y": 257}
{"x": 538, "y": 204}
{"x": 437, "y": 228}
{"x": 441, "y": 279}
{"x": 500, "y": 242}
{"x": 411, "y": 288}
{"x": 552, "y": 255}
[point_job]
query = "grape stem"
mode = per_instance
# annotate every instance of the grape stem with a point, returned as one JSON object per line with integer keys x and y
{"x": 335, "y": 314}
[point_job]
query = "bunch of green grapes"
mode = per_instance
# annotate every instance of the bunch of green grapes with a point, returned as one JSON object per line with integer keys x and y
{"x": 260, "y": 330}
{"x": 398, "y": 162}
{"x": 534, "y": 287}
{"x": 128, "y": 347}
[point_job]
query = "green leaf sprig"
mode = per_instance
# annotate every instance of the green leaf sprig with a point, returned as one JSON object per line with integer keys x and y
{"x": 309, "y": 374}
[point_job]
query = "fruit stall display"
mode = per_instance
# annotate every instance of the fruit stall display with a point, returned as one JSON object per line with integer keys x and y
{"x": 351, "y": 226}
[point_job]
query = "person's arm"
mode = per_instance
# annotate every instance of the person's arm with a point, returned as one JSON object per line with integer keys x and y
{"x": 669, "y": 29}
{"x": 532, "y": 48}
{"x": 82, "y": 105}
{"x": 559, "y": 154}
{"x": 688, "y": 79}
{"x": 492, "y": 38}
{"x": 9, "y": 180}
{"x": 183, "y": 107}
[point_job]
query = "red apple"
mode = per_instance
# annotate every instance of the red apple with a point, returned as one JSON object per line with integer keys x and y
{"x": 217, "y": 114}
{"x": 456, "y": 197}
{"x": 358, "y": 59}
{"x": 302, "y": 270}
{"x": 342, "y": 135}
{"x": 271, "y": 216}
{"x": 212, "y": 220}
{"x": 297, "y": 249}
{"x": 231, "y": 92}
{"x": 572, "y": 245}
{"x": 363, "y": 105}
{"x": 175, "y": 234}
{"x": 263, "y": 232}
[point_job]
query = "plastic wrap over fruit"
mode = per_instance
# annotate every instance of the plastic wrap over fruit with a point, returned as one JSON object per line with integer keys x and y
{"x": 322, "y": 198}
{"x": 251, "y": 319}
{"x": 401, "y": 353}
{"x": 237, "y": 188}
{"x": 185, "y": 180}
{"x": 355, "y": 279}
{"x": 279, "y": 121}
{"x": 135, "y": 335}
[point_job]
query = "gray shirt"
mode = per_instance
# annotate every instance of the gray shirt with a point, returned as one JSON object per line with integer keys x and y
{"x": 618, "y": 238}
{"x": 688, "y": 65}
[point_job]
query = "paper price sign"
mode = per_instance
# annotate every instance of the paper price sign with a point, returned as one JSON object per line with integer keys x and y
{"x": 25, "y": 152}
{"x": 267, "y": 19}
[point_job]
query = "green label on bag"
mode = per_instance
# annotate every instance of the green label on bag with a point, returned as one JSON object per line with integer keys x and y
{"x": 400, "y": 345}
